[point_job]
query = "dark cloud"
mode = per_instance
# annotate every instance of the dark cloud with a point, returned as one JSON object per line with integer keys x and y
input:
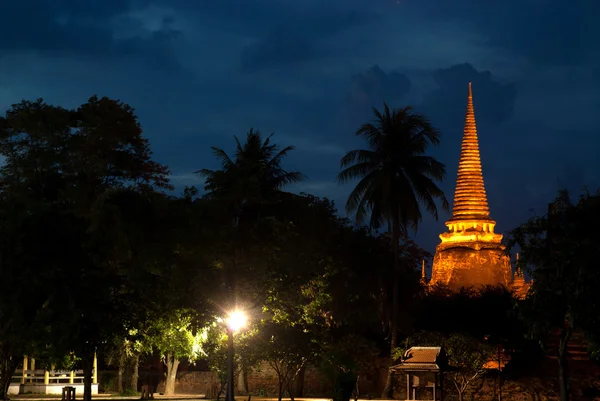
{"x": 494, "y": 101}
{"x": 78, "y": 28}
{"x": 299, "y": 37}
{"x": 279, "y": 48}
{"x": 373, "y": 87}
{"x": 553, "y": 32}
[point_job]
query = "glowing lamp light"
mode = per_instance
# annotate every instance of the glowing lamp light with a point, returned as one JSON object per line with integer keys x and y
{"x": 236, "y": 320}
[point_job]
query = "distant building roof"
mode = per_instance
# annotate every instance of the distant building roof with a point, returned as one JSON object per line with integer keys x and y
{"x": 422, "y": 358}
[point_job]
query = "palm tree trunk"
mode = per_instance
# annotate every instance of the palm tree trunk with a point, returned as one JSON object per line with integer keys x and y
{"x": 388, "y": 390}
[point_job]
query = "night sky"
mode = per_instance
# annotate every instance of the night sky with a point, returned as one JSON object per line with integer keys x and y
{"x": 200, "y": 71}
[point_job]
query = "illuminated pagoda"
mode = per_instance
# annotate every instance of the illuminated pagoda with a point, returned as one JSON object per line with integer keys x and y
{"x": 470, "y": 252}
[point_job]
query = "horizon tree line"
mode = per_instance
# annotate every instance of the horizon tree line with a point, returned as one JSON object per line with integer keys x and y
{"x": 101, "y": 242}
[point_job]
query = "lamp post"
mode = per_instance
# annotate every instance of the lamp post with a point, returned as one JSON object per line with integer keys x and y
{"x": 235, "y": 321}
{"x": 499, "y": 350}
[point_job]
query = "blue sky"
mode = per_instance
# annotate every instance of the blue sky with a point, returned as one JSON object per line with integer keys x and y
{"x": 200, "y": 71}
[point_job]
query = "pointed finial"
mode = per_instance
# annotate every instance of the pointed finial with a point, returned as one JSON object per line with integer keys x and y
{"x": 470, "y": 199}
{"x": 518, "y": 273}
{"x": 423, "y": 269}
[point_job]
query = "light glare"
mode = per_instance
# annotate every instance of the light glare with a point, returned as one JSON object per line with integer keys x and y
{"x": 236, "y": 320}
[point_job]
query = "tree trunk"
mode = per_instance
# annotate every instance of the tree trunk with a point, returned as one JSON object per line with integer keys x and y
{"x": 172, "y": 365}
{"x": 120, "y": 371}
{"x": 387, "y": 391}
{"x": 135, "y": 372}
{"x": 460, "y": 395}
{"x": 7, "y": 369}
{"x": 300, "y": 382}
{"x": 242, "y": 381}
{"x": 223, "y": 384}
{"x": 563, "y": 373}
{"x": 280, "y": 391}
{"x": 357, "y": 388}
{"x": 245, "y": 377}
{"x": 88, "y": 366}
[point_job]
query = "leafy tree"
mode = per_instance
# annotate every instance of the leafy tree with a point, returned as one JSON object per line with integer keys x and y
{"x": 176, "y": 336}
{"x": 341, "y": 272}
{"x": 466, "y": 356}
{"x": 63, "y": 167}
{"x": 396, "y": 179}
{"x": 27, "y": 241}
{"x": 287, "y": 349}
{"x": 561, "y": 252}
{"x": 125, "y": 351}
{"x": 344, "y": 361}
{"x": 216, "y": 348}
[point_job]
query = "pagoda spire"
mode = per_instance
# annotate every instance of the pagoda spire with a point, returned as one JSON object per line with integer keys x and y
{"x": 470, "y": 199}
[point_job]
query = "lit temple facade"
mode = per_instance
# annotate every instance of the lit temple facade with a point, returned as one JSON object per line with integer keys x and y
{"x": 471, "y": 254}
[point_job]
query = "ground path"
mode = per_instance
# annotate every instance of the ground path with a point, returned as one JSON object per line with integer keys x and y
{"x": 176, "y": 397}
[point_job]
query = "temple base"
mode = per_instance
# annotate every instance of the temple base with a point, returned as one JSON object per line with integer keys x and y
{"x": 472, "y": 264}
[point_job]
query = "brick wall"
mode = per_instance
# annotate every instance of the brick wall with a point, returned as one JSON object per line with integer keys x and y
{"x": 263, "y": 379}
{"x": 584, "y": 387}
{"x": 195, "y": 383}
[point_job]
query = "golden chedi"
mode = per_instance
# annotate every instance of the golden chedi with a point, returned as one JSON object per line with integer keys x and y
{"x": 471, "y": 253}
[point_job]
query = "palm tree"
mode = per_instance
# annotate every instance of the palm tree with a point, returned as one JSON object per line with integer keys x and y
{"x": 397, "y": 178}
{"x": 253, "y": 176}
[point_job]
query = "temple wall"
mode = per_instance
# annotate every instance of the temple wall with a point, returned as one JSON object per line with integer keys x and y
{"x": 464, "y": 267}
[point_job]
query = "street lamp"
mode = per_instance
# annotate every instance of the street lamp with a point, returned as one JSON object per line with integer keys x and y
{"x": 235, "y": 321}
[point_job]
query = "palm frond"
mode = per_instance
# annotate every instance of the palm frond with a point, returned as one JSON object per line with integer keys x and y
{"x": 371, "y": 133}
{"x": 287, "y": 178}
{"x": 205, "y": 172}
{"x": 360, "y": 155}
{"x": 353, "y": 172}
{"x": 429, "y": 166}
{"x": 276, "y": 160}
{"x": 223, "y": 157}
{"x": 358, "y": 193}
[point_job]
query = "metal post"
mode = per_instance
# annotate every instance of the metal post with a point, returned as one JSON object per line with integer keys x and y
{"x": 499, "y": 374}
{"x": 230, "y": 394}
